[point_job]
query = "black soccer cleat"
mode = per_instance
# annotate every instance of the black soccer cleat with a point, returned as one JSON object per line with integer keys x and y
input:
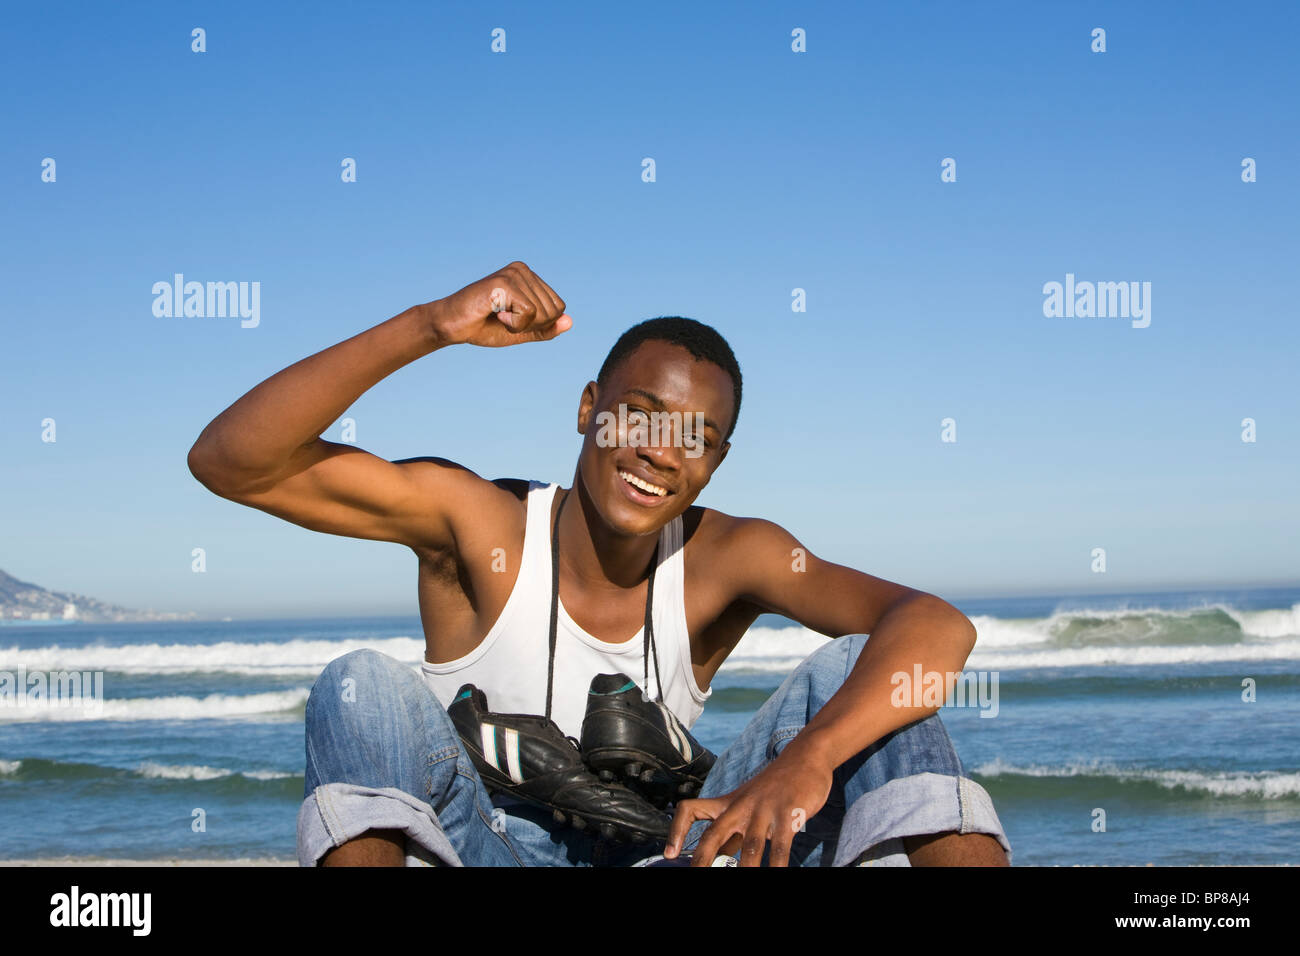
{"x": 528, "y": 756}
{"x": 642, "y": 742}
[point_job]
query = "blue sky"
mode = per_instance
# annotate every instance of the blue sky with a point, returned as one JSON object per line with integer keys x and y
{"x": 775, "y": 170}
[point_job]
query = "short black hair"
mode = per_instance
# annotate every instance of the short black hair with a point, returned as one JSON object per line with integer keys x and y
{"x": 702, "y": 341}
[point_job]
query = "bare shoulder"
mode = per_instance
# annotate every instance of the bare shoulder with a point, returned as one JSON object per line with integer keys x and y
{"x": 517, "y": 488}
{"x": 726, "y": 535}
{"x": 723, "y": 562}
{"x": 737, "y": 550}
{"x": 452, "y": 477}
{"x": 473, "y": 505}
{"x": 759, "y": 564}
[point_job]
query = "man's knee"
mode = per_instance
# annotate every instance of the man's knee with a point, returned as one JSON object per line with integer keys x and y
{"x": 362, "y": 666}
{"x": 364, "y": 708}
{"x": 360, "y": 676}
{"x": 826, "y": 668}
{"x": 838, "y": 653}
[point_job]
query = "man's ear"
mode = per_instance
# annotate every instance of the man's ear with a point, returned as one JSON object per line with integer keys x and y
{"x": 722, "y": 456}
{"x": 586, "y": 402}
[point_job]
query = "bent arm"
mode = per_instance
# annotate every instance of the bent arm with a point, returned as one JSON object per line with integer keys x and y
{"x": 265, "y": 433}
{"x": 265, "y": 450}
{"x": 907, "y": 627}
{"x": 919, "y": 631}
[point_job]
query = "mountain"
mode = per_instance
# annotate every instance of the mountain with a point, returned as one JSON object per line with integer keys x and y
{"x": 21, "y": 601}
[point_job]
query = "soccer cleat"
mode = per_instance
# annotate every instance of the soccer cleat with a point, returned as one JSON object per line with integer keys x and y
{"x": 624, "y": 735}
{"x": 529, "y": 757}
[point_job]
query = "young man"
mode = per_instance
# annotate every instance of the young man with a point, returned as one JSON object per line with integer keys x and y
{"x": 830, "y": 770}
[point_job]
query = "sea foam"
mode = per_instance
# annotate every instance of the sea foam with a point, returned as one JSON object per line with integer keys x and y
{"x": 167, "y": 708}
{"x": 1261, "y": 784}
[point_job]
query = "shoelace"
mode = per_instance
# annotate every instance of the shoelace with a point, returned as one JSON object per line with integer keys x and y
{"x": 647, "y": 629}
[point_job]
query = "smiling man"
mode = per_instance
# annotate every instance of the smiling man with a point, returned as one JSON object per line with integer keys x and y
{"x": 528, "y": 647}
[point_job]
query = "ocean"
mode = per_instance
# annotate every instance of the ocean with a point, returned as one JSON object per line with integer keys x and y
{"x": 1130, "y": 729}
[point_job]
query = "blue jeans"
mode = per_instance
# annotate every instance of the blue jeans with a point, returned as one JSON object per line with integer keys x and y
{"x": 383, "y": 754}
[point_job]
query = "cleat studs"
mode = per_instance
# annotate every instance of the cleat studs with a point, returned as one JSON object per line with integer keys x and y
{"x": 578, "y": 823}
{"x": 606, "y": 776}
{"x": 607, "y": 831}
{"x": 633, "y": 769}
{"x": 558, "y": 816}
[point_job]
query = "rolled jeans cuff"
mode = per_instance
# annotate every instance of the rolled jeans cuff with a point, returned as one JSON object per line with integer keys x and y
{"x": 912, "y": 806}
{"x": 335, "y": 813}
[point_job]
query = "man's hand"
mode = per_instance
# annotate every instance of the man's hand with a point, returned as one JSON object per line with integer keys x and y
{"x": 772, "y": 806}
{"x": 505, "y": 308}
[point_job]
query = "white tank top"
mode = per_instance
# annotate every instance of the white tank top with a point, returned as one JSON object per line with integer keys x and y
{"x": 509, "y": 665}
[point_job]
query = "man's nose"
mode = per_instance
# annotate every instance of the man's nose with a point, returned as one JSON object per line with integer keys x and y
{"x": 665, "y": 452}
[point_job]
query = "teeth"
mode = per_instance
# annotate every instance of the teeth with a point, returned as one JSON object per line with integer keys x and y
{"x": 643, "y": 485}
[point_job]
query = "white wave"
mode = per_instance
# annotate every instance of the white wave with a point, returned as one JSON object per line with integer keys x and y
{"x": 1134, "y": 624}
{"x": 163, "y": 708}
{"x": 762, "y": 648}
{"x": 1011, "y": 632}
{"x": 1267, "y": 784}
{"x": 9, "y": 766}
{"x": 198, "y": 772}
{"x": 1024, "y": 658}
{"x": 288, "y": 658}
{"x": 780, "y": 650}
{"x": 1282, "y": 622}
{"x": 773, "y": 649}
